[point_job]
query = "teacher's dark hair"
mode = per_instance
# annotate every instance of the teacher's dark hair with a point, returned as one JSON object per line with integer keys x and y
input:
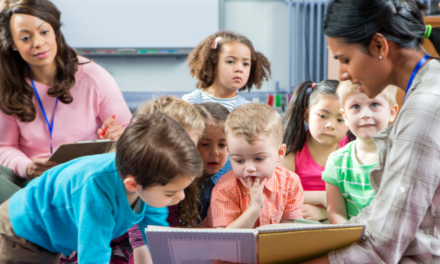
{"x": 357, "y": 21}
{"x": 15, "y": 93}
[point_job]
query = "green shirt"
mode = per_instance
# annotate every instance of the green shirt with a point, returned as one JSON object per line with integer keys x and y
{"x": 353, "y": 179}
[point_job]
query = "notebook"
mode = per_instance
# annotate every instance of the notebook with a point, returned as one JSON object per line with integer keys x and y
{"x": 281, "y": 243}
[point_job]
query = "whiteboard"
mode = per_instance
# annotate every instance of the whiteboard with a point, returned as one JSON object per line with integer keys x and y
{"x": 137, "y": 23}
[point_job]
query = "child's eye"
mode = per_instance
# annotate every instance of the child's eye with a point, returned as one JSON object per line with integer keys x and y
{"x": 169, "y": 195}
{"x": 222, "y": 145}
{"x": 322, "y": 116}
{"x": 259, "y": 158}
{"x": 341, "y": 120}
{"x": 344, "y": 61}
{"x": 230, "y": 62}
{"x": 374, "y": 105}
{"x": 246, "y": 64}
{"x": 356, "y": 107}
{"x": 239, "y": 161}
{"x": 204, "y": 144}
{"x": 24, "y": 39}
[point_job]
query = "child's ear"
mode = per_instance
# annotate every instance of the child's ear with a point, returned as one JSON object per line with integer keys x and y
{"x": 306, "y": 115}
{"x": 393, "y": 113}
{"x": 344, "y": 115}
{"x": 281, "y": 152}
{"x": 130, "y": 183}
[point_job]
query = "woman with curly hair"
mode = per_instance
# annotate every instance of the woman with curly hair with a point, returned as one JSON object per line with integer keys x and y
{"x": 48, "y": 94}
{"x": 225, "y": 63}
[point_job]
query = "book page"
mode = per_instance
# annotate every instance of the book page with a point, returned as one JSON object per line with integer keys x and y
{"x": 188, "y": 251}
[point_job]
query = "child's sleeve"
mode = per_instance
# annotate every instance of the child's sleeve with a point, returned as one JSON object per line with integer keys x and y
{"x": 95, "y": 222}
{"x": 224, "y": 207}
{"x": 153, "y": 216}
{"x": 295, "y": 198}
{"x": 329, "y": 174}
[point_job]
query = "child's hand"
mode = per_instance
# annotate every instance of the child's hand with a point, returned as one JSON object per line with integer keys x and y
{"x": 314, "y": 213}
{"x": 256, "y": 191}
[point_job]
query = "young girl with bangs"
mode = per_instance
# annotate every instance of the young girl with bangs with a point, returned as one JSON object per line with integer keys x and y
{"x": 225, "y": 63}
{"x": 213, "y": 150}
{"x": 318, "y": 105}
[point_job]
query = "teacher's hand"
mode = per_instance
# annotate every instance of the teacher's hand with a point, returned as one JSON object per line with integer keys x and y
{"x": 113, "y": 131}
{"x": 38, "y": 166}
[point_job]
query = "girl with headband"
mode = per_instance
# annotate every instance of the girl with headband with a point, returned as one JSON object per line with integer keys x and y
{"x": 225, "y": 63}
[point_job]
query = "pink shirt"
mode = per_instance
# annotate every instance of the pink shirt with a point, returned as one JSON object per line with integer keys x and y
{"x": 309, "y": 171}
{"x": 96, "y": 97}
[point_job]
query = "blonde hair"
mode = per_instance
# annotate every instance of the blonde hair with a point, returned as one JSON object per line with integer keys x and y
{"x": 346, "y": 88}
{"x": 183, "y": 112}
{"x": 253, "y": 120}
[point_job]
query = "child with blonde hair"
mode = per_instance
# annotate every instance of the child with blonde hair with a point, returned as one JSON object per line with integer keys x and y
{"x": 256, "y": 192}
{"x": 213, "y": 150}
{"x": 225, "y": 63}
{"x": 348, "y": 169}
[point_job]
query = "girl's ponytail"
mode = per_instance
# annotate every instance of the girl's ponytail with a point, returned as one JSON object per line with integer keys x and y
{"x": 294, "y": 131}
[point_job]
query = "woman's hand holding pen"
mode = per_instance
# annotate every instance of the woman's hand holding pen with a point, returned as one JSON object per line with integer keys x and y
{"x": 110, "y": 129}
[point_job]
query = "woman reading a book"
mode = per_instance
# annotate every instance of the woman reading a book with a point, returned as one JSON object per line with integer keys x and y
{"x": 48, "y": 94}
{"x": 378, "y": 43}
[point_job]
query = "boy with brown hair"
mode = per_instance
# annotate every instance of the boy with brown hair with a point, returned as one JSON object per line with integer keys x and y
{"x": 83, "y": 204}
{"x": 256, "y": 192}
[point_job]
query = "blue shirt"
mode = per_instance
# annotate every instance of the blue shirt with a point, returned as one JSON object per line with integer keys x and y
{"x": 79, "y": 206}
{"x": 206, "y": 187}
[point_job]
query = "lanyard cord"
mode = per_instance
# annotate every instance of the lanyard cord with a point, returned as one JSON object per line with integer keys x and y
{"x": 49, "y": 125}
{"x": 414, "y": 73}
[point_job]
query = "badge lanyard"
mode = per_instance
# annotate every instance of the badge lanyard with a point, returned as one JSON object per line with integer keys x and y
{"x": 414, "y": 73}
{"x": 49, "y": 125}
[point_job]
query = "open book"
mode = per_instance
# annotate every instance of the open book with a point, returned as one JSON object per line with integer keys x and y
{"x": 281, "y": 243}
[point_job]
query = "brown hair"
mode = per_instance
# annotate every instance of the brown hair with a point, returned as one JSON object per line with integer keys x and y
{"x": 189, "y": 209}
{"x": 191, "y": 121}
{"x": 253, "y": 120}
{"x": 213, "y": 112}
{"x": 183, "y": 112}
{"x": 15, "y": 93}
{"x": 203, "y": 60}
{"x": 155, "y": 149}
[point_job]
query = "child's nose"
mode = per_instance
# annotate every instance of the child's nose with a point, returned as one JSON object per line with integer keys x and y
{"x": 366, "y": 112}
{"x": 250, "y": 167}
{"x": 180, "y": 195}
{"x": 214, "y": 151}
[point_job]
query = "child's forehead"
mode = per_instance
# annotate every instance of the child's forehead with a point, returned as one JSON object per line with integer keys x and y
{"x": 258, "y": 140}
{"x": 363, "y": 98}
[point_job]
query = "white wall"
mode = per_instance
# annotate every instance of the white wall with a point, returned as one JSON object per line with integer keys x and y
{"x": 264, "y": 22}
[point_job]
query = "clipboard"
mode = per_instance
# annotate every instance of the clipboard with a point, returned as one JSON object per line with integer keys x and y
{"x": 70, "y": 151}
